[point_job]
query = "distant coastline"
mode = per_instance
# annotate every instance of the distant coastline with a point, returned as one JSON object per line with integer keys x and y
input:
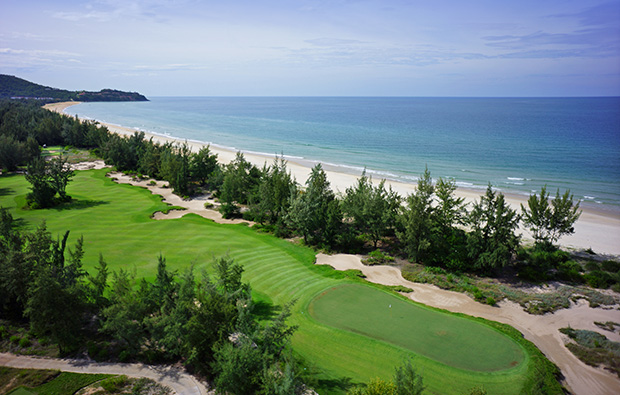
{"x": 596, "y": 229}
{"x": 17, "y": 88}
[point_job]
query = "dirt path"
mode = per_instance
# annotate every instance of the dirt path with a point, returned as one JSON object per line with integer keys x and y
{"x": 179, "y": 381}
{"x": 541, "y": 330}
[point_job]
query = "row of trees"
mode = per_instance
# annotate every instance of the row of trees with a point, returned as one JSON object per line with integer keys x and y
{"x": 431, "y": 225}
{"x": 208, "y": 323}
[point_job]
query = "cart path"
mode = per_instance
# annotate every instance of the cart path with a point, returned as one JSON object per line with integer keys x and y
{"x": 180, "y": 382}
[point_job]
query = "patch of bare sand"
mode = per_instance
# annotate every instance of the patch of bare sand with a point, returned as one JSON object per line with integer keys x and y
{"x": 195, "y": 205}
{"x": 89, "y": 165}
{"x": 543, "y": 330}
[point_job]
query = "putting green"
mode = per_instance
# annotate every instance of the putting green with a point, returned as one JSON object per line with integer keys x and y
{"x": 452, "y": 340}
{"x": 115, "y": 221}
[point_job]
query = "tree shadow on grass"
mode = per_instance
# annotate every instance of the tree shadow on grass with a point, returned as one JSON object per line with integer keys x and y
{"x": 79, "y": 204}
{"x": 340, "y": 384}
{"x": 6, "y": 191}
{"x": 265, "y": 310}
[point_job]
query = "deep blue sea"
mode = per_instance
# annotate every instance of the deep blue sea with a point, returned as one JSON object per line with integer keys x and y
{"x": 516, "y": 144}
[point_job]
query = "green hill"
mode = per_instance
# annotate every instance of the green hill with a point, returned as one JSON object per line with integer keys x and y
{"x": 14, "y": 87}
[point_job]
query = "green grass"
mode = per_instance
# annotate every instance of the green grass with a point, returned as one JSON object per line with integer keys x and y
{"x": 115, "y": 220}
{"x": 22, "y": 391}
{"x": 11, "y": 378}
{"x": 44, "y": 382}
{"x": 68, "y": 383}
{"x": 452, "y": 340}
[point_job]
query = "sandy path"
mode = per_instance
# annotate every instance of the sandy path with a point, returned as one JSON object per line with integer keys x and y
{"x": 180, "y": 382}
{"x": 595, "y": 229}
{"x": 541, "y": 330}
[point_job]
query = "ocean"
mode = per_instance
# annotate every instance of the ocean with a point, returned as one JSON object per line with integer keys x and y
{"x": 516, "y": 144}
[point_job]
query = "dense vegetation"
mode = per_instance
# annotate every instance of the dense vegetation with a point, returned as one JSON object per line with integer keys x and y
{"x": 433, "y": 227}
{"x": 11, "y": 87}
{"x": 115, "y": 220}
{"x": 209, "y": 324}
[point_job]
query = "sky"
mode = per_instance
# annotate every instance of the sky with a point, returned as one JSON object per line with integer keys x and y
{"x": 316, "y": 47}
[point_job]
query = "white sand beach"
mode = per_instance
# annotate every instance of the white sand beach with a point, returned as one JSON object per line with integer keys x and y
{"x": 597, "y": 230}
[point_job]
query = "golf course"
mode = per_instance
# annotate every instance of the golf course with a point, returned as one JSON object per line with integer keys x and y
{"x": 349, "y": 331}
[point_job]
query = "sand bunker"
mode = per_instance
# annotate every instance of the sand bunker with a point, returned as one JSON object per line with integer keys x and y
{"x": 541, "y": 330}
{"x": 195, "y": 205}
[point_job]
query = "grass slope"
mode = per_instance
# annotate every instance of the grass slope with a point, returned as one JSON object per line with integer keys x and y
{"x": 115, "y": 221}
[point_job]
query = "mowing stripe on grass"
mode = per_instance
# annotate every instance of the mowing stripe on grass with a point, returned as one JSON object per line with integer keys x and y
{"x": 121, "y": 228}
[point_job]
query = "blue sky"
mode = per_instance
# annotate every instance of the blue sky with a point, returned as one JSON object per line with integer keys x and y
{"x": 316, "y": 47}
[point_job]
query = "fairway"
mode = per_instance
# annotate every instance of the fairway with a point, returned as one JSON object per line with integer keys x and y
{"x": 445, "y": 338}
{"x": 343, "y": 334}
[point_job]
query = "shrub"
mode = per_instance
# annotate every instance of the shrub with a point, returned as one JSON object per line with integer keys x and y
{"x": 24, "y": 342}
{"x": 14, "y": 339}
{"x": 610, "y": 266}
{"x": 592, "y": 266}
{"x": 545, "y": 259}
{"x": 530, "y": 273}
{"x": 378, "y": 257}
{"x": 400, "y": 288}
{"x": 114, "y": 384}
{"x": 435, "y": 270}
{"x": 598, "y": 279}
{"x": 490, "y": 301}
{"x": 477, "y": 294}
{"x": 570, "y": 271}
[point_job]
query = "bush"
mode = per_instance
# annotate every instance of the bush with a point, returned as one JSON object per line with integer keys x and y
{"x": 599, "y": 279}
{"x": 490, "y": 301}
{"x": 114, "y": 384}
{"x": 530, "y": 273}
{"x": 435, "y": 270}
{"x": 457, "y": 265}
{"x": 24, "y": 342}
{"x": 477, "y": 294}
{"x": 229, "y": 210}
{"x": 610, "y": 266}
{"x": 547, "y": 259}
{"x": 14, "y": 339}
{"x": 570, "y": 271}
{"x": 378, "y": 257}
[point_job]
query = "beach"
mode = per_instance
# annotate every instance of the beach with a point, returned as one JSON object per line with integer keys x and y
{"x": 596, "y": 229}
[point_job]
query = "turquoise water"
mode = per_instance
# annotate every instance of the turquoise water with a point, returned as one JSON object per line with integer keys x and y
{"x": 516, "y": 144}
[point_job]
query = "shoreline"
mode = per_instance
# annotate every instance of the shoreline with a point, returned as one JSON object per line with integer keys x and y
{"x": 596, "y": 229}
